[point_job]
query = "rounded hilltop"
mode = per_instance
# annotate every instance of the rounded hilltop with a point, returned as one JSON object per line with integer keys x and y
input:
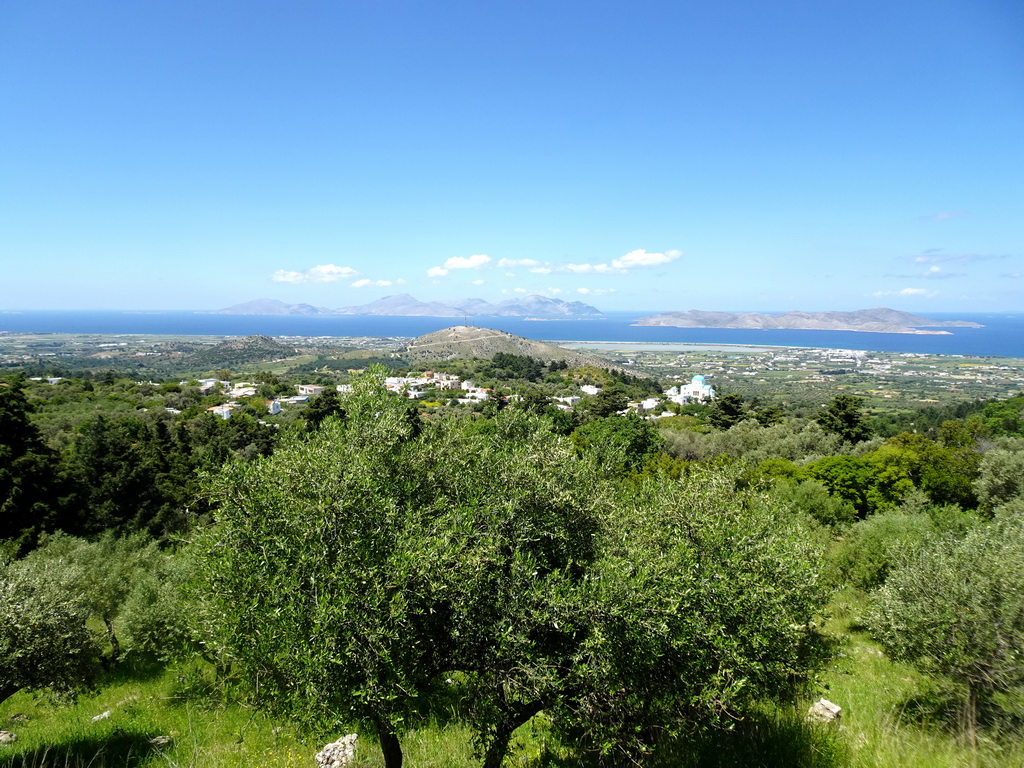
{"x": 467, "y": 341}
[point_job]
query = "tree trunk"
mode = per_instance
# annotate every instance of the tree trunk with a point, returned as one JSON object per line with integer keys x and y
{"x": 390, "y": 747}
{"x": 516, "y": 716}
{"x": 6, "y": 693}
{"x": 115, "y": 646}
{"x": 970, "y": 718}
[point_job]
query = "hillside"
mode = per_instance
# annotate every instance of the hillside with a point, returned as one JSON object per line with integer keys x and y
{"x": 463, "y": 341}
{"x": 250, "y": 349}
{"x": 877, "y": 320}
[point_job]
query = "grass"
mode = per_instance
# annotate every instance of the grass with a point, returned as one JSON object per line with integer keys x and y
{"x": 893, "y": 717}
{"x": 144, "y": 704}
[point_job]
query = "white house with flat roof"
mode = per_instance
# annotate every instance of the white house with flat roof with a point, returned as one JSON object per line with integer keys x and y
{"x": 698, "y": 390}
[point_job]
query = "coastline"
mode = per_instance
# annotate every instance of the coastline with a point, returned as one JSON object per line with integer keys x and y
{"x": 1002, "y": 336}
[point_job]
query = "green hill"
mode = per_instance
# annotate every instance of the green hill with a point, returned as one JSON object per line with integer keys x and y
{"x": 465, "y": 341}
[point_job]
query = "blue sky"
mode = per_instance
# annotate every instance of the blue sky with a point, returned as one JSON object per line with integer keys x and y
{"x": 735, "y": 155}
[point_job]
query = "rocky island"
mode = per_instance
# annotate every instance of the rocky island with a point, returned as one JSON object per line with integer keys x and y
{"x": 877, "y": 320}
{"x": 404, "y": 305}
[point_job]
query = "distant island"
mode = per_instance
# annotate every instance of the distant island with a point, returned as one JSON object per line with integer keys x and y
{"x": 877, "y": 320}
{"x": 404, "y": 305}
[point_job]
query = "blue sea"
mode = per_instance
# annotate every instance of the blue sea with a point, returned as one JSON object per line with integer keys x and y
{"x": 1002, "y": 336}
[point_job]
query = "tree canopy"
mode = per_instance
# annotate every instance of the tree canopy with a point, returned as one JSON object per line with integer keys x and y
{"x": 356, "y": 567}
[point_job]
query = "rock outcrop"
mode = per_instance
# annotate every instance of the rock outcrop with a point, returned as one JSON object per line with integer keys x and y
{"x": 340, "y": 754}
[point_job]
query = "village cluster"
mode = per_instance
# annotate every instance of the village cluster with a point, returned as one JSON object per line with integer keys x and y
{"x": 462, "y": 392}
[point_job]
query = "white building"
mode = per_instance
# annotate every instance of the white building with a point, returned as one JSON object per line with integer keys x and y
{"x": 696, "y": 391}
{"x": 223, "y": 411}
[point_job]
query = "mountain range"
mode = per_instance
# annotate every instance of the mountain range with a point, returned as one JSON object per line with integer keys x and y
{"x": 404, "y": 305}
{"x": 877, "y": 320}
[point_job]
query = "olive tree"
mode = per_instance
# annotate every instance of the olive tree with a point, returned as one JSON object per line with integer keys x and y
{"x": 359, "y": 564}
{"x": 701, "y": 603}
{"x": 101, "y": 573}
{"x": 44, "y": 640}
{"x": 956, "y": 609}
{"x": 1000, "y": 477}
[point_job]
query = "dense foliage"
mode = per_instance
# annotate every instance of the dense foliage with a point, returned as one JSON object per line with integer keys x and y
{"x": 956, "y": 608}
{"x": 638, "y": 577}
{"x": 354, "y": 570}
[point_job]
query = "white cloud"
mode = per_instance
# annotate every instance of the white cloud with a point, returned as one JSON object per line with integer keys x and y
{"x": 476, "y": 261}
{"x": 554, "y": 291}
{"x": 586, "y": 269}
{"x": 365, "y": 282}
{"x": 641, "y": 258}
{"x": 321, "y": 273}
{"x": 595, "y": 291}
{"x": 506, "y": 263}
{"x": 479, "y": 282}
{"x": 636, "y": 259}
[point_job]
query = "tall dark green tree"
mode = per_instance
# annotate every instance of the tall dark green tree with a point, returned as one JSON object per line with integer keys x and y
{"x": 30, "y": 487}
{"x": 843, "y": 417}
{"x": 118, "y": 463}
{"x": 608, "y": 402}
{"x": 320, "y": 407}
{"x": 619, "y": 442}
{"x": 727, "y": 410}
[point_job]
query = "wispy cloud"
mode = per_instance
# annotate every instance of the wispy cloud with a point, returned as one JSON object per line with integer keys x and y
{"x": 321, "y": 273}
{"x": 476, "y": 261}
{"x": 636, "y": 259}
{"x": 933, "y": 272}
{"x": 908, "y": 292}
{"x": 1012, "y": 275}
{"x": 381, "y": 283}
{"x": 595, "y": 291}
{"x": 934, "y": 255}
{"x": 945, "y": 216}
